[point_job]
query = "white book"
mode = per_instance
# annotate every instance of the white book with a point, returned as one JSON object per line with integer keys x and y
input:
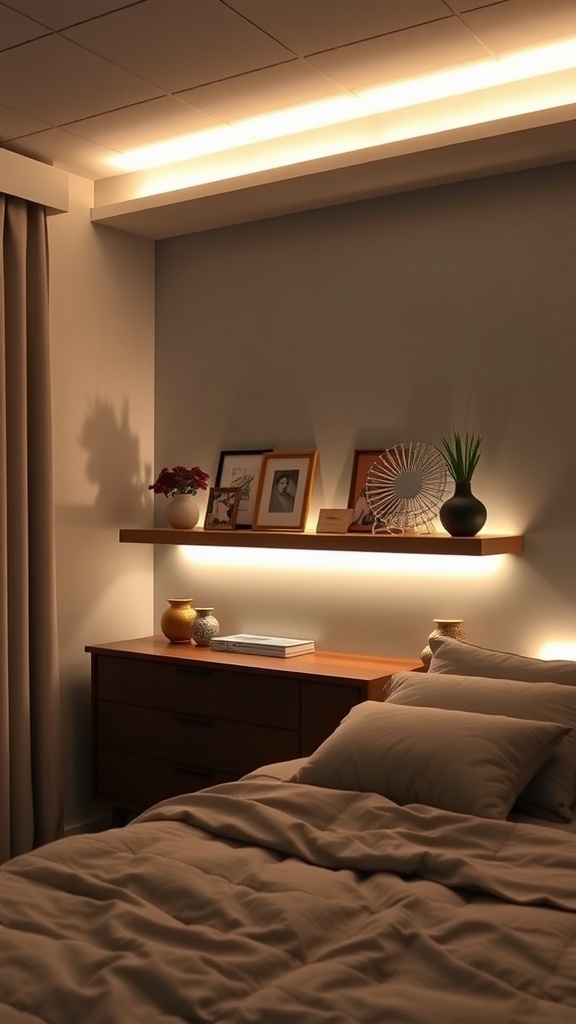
{"x": 250, "y": 643}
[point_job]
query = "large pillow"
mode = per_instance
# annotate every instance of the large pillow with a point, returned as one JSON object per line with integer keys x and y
{"x": 455, "y": 760}
{"x": 552, "y": 791}
{"x": 458, "y": 658}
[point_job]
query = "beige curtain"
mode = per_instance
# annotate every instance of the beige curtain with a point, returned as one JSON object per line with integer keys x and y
{"x": 30, "y": 747}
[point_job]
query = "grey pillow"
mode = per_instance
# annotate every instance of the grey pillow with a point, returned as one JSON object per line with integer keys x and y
{"x": 552, "y": 791}
{"x": 467, "y": 763}
{"x": 458, "y": 658}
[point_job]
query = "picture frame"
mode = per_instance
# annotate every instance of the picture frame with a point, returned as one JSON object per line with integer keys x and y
{"x": 284, "y": 490}
{"x": 242, "y": 468}
{"x": 222, "y": 508}
{"x": 362, "y": 519}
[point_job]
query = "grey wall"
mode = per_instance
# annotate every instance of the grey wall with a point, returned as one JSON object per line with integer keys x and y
{"x": 365, "y": 325}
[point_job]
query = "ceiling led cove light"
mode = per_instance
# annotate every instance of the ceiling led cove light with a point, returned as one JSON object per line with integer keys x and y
{"x": 486, "y": 82}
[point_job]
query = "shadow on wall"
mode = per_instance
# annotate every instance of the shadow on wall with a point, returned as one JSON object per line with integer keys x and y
{"x": 114, "y": 465}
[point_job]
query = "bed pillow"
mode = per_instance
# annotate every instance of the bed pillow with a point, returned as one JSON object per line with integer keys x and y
{"x": 455, "y": 760}
{"x": 552, "y": 791}
{"x": 458, "y": 658}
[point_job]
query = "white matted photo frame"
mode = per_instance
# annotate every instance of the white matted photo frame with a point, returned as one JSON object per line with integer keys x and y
{"x": 362, "y": 518}
{"x": 284, "y": 490}
{"x": 222, "y": 508}
{"x": 242, "y": 469}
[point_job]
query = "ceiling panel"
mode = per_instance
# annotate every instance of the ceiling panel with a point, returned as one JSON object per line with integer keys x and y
{"x": 142, "y": 123}
{"x": 13, "y": 124}
{"x": 55, "y": 80}
{"x": 60, "y": 13}
{"x": 522, "y": 22}
{"x": 308, "y": 26}
{"x": 458, "y": 6}
{"x": 57, "y": 146}
{"x": 413, "y": 52}
{"x": 205, "y": 42}
{"x": 15, "y": 29}
{"x": 283, "y": 85}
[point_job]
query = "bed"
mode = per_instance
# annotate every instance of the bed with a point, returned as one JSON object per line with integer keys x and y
{"x": 418, "y": 867}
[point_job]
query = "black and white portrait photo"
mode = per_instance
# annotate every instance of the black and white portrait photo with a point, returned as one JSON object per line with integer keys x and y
{"x": 284, "y": 488}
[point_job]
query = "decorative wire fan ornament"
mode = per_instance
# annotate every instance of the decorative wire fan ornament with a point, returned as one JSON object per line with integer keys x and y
{"x": 405, "y": 487}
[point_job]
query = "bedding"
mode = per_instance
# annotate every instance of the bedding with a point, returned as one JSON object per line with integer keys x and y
{"x": 552, "y": 790}
{"x": 458, "y": 760}
{"x": 277, "y": 902}
{"x": 459, "y": 658}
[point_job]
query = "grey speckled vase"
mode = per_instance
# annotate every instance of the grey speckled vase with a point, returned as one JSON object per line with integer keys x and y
{"x": 204, "y": 627}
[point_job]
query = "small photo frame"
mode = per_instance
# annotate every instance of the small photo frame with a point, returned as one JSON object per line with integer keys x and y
{"x": 222, "y": 508}
{"x": 362, "y": 518}
{"x": 284, "y": 490}
{"x": 242, "y": 469}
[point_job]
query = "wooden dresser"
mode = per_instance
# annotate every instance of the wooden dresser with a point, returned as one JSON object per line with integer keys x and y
{"x": 173, "y": 718}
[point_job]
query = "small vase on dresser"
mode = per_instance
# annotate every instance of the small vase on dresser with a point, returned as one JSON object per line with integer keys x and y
{"x": 443, "y": 627}
{"x": 204, "y": 627}
{"x": 178, "y": 619}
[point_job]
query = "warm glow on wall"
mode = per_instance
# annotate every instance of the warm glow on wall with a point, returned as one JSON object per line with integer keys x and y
{"x": 558, "y": 651}
{"x": 356, "y": 563}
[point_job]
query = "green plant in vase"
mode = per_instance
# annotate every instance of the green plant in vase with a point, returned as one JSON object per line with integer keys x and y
{"x": 461, "y": 455}
{"x": 462, "y": 515}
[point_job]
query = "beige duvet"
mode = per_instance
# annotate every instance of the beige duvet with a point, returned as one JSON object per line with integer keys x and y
{"x": 265, "y": 902}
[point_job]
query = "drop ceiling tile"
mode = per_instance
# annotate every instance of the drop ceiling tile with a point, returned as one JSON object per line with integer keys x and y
{"x": 308, "y": 26}
{"x": 459, "y": 6}
{"x": 55, "y": 80}
{"x": 58, "y": 147}
{"x": 15, "y": 29}
{"x": 141, "y": 124}
{"x": 205, "y": 42}
{"x": 516, "y": 23}
{"x": 412, "y": 52}
{"x": 58, "y": 14}
{"x": 13, "y": 124}
{"x": 283, "y": 85}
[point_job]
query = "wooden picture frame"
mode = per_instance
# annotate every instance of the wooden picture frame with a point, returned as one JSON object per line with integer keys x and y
{"x": 222, "y": 508}
{"x": 242, "y": 469}
{"x": 284, "y": 490}
{"x": 362, "y": 519}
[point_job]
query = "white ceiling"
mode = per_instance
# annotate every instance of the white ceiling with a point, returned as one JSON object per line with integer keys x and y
{"x": 82, "y": 81}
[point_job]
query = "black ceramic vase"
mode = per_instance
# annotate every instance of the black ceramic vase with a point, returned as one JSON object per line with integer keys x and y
{"x": 463, "y": 515}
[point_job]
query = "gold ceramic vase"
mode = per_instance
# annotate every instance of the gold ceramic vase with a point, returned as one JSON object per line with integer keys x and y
{"x": 443, "y": 627}
{"x": 177, "y": 620}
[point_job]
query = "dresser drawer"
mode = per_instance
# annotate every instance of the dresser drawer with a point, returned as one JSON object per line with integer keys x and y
{"x": 169, "y": 719}
{"x": 190, "y": 738}
{"x": 142, "y": 781}
{"x": 239, "y": 696}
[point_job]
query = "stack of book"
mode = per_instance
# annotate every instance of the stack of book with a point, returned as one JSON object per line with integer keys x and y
{"x": 272, "y": 646}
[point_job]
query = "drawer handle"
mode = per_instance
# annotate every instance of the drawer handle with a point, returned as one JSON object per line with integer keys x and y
{"x": 183, "y": 769}
{"x": 194, "y": 719}
{"x": 195, "y": 671}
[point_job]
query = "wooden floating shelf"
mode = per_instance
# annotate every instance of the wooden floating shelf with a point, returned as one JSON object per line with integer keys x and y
{"x": 422, "y": 544}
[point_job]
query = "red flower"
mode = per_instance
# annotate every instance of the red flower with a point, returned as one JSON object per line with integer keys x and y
{"x": 179, "y": 480}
